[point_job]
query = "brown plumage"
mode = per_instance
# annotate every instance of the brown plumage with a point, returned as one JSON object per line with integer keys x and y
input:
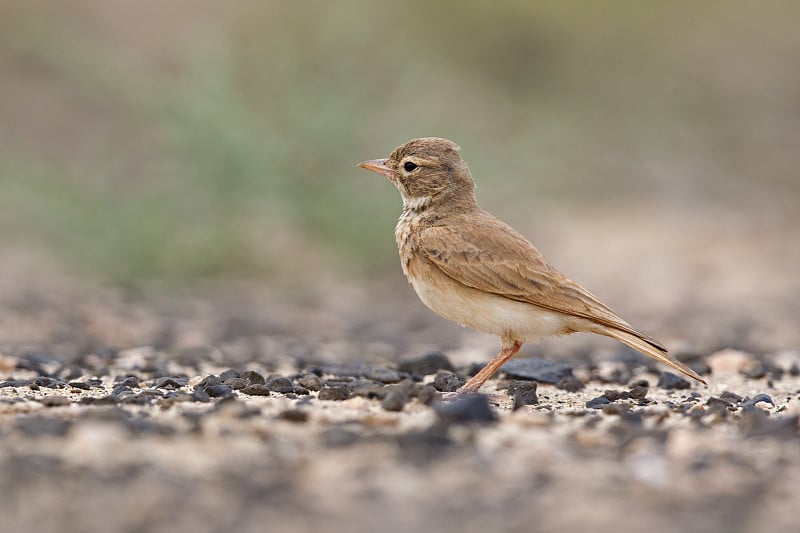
{"x": 474, "y": 269}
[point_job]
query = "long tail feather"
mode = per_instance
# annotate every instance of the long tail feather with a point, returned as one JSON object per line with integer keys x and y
{"x": 653, "y": 350}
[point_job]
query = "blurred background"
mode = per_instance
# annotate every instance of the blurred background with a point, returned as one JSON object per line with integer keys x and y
{"x": 649, "y": 149}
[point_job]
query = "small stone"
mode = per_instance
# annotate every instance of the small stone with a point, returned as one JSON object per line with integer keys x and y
{"x": 281, "y": 385}
{"x": 718, "y": 402}
{"x": 228, "y": 374}
{"x": 448, "y": 382}
{"x": 426, "y": 364}
{"x": 538, "y": 369}
{"x": 235, "y": 383}
{"x": 570, "y": 384}
{"x": 335, "y": 393}
{"x": 614, "y": 395}
{"x": 597, "y": 403}
{"x": 468, "y": 409}
{"x": 257, "y": 389}
{"x": 218, "y": 391}
{"x": 49, "y": 383}
{"x": 639, "y": 390}
{"x": 427, "y": 394}
{"x": 766, "y": 398}
{"x": 300, "y": 391}
{"x": 15, "y": 383}
{"x": 253, "y": 378}
{"x": 523, "y": 392}
{"x": 199, "y": 395}
{"x": 395, "y": 399}
{"x": 731, "y": 397}
{"x": 76, "y": 385}
{"x": 208, "y": 381}
{"x": 668, "y": 380}
{"x": 310, "y": 381}
{"x": 127, "y": 381}
{"x": 171, "y": 382}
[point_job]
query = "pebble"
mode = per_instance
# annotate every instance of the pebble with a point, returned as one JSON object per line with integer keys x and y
{"x": 127, "y": 381}
{"x": 235, "y": 383}
{"x": 523, "y": 392}
{"x": 294, "y": 415}
{"x": 766, "y": 398}
{"x": 49, "y": 383}
{"x": 257, "y": 389}
{"x": 468, "y": 409}
{"x": 395, "y": 399}
{"x": 252, "y": 377}
{"x": 171, "y": 382}
{"x": 570, "y": 384}
{"x": 280, "y": 384}
{"x": 427, "y": 394}
{"x": 670, "y": 381}
{"x": 538, "y": 369}
{"x": 426, "y": 364}
{"x": 448, "y": 382}
{"x": 310, "y": 381}
{"x": 229, "y": 374}
{"x": 336, "y": 393}
{"x": 597, "y": 403}
{"x": 382, "y": 374}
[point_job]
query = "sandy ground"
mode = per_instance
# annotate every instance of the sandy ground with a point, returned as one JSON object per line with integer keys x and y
{"x": 109, "y": 420}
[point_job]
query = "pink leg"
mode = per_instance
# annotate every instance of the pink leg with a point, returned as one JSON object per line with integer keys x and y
{"x": 475, "y": 383}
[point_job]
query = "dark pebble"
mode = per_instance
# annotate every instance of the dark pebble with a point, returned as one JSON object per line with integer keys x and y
{"x": 395, "y": 399}
{"x": 37, "y": 426}
{"x": 103, "y": 400}
{"x": 15, "y": 383}
{"x": 794, "y": 370}
{"x": 171, "y": 382}
{"x": 371, "y": 391}
{"x": 199, "y": 395}
{"x": 49, "y": 383}
{"x": 468, "y": 409}
{"x": 300, "y": 391}
{"x": 218, "y": 391}
{"x": 127, "y": 381}
{"x": 382, "y": 374}
{"x": 145, "y": 397}
{"x": 294, "y": 415}
{"x": 614, "y": 395}
{"x": 448, "y": 382}
{"x": 639, "y": 392}
{"x": 731, "y": 397}
{"x": 229, "y": 374}
{"x": 253, "y": 378}
{"x": 718, "y": 402}
{"x": 597, "y": 403}
{"x": 208, "y": 381}
{"x": 668, "y": 380}
{"x": 523, "y": 392}
{"x": 280, "y": 384}
{"x": 257, "y": 389}
{"x": 757, "y": 399}
{"x": 538, "y": 369}
{"x": 78, "y": 385}
{"x": 235, "y": 383}
{"x": 426, "y": 364}
{"x": 310, "y": 381}
{"x": 427, "y": 394}
{"x": 570, "y": 384}
{"x": 336, "y": 393}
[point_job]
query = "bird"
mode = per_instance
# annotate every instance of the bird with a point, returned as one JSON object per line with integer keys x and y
{"x": 470, "y": 267}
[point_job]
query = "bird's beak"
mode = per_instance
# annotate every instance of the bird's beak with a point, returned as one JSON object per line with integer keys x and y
{"x": 379, "y": 166}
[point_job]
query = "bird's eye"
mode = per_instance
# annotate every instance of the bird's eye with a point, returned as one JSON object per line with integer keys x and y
{"x": 409, "y": 166}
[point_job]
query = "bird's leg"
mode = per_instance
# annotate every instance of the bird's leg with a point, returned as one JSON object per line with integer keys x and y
{"x": 510, "y": 347}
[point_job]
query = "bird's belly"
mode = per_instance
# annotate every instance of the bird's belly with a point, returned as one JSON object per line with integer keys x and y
{"x": 490, "y": 313}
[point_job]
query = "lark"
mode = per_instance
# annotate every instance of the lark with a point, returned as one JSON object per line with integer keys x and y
{"x": 472, "y": 268}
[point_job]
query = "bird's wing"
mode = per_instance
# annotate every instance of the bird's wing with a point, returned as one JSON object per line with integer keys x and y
{"x": 484, "y": 253}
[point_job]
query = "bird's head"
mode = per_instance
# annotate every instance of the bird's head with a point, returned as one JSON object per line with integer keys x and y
{"x": 427, "y": 171}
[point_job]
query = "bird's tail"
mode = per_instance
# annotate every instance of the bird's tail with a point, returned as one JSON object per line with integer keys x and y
{"x": 650, "y": 348}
